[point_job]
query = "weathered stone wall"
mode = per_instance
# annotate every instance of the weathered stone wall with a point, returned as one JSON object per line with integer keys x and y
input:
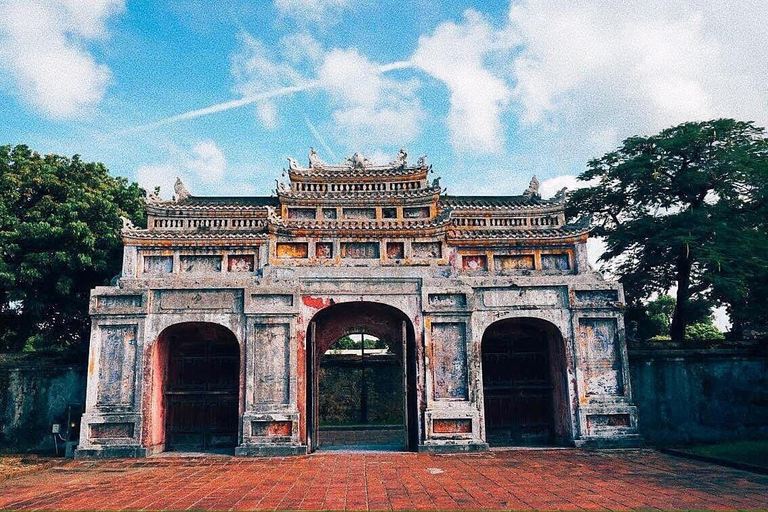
{"x": 34, "y": 393}
{"x": 702, "y": 394}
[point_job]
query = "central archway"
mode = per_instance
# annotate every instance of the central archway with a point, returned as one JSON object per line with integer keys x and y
{"x": 386, "y": 351}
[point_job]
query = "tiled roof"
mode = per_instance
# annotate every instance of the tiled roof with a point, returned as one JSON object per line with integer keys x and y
{"x": 213, "y": 201}
{"x": 505, "y": 234}
{"x": 492, "y": 201}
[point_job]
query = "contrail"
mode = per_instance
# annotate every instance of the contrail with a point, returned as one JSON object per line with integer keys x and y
{"x": 321, "y": 140}
{"x": 227, "y": 105}
{"x": 282, "y": 91}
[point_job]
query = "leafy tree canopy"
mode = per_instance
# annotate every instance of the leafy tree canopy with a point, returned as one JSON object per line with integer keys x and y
{"x": 685, "y": 208}
{"x": 59, "y": 237}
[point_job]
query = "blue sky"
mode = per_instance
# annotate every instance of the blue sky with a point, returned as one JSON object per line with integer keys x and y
{"x": 492, "y": 92}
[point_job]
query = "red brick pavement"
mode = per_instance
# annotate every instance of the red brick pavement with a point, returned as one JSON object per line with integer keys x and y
{"x": 524, "y": 479}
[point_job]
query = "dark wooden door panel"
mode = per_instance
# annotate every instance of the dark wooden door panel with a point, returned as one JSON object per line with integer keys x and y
{"x": 202, "y": 394}
{"x": 517, "y": 388}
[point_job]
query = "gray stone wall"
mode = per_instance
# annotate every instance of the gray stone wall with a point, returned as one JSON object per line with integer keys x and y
{"x": 702, "y": 394}
{"x": 34, "y": 393}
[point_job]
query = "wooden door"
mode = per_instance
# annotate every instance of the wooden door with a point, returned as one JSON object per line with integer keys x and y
{"x": 202, "y": 394}
{"x": 517, "y": 388}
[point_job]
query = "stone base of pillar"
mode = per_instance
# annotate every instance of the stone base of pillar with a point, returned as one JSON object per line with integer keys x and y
{"x": 111, "y": 452}
{"x": 266, "y": 450}
{"x": 628, "y": 441}
{"x": 452, "y": 448}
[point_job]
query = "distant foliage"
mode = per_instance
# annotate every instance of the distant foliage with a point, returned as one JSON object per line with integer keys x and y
{"x": 59, "y": 237}
{"x": 703, "y": 332}
{"x": 686, "y": 209}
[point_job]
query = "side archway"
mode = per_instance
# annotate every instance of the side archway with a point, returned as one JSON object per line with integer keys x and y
{"x": 524, "y": 383}
{"x": 195, "y": 390}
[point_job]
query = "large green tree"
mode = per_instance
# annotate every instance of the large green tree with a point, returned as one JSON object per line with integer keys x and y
{"x": 59, "y": 237}
{"x": 685, "y": 210}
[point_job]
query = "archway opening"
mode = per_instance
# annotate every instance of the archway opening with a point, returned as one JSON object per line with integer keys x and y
{"x": 361, "y": 394}
{"x": 361, "y": 385}
{"x": 524, "y": 383}
{"x": 200, "y": 388}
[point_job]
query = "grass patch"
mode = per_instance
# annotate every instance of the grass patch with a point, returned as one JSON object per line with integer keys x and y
{"x": 754, "y": 453}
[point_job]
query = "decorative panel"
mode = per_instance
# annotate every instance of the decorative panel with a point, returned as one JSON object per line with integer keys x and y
{"x": 241, "y": 262}
{"x": 597, "y": 297}
{"x": 301, "y": 213}
{"x": 279, "y": 300}
{"x": 452, "y": 426}
{"x": 449, "y": 359}
{"x": 324, "y": 250}
{"x": 359, "y": 213}
{"x": 197, "y": 299}
{"x": 395, "y": 250}
{"x": 271, "y": 428}
{"x": 474, "y": 262}
{"x": 423, "y": 250}
{"x": 119, "y": 301}
{"x": 506, "y": 297}
{"x": 608, "y": 420}
{"x": 514, "y": 262}
{"x": 290, "y": 250}
{"x": 271, "y": 363}
{"x": 447, "y": 299}
{"x": 329, "y": 213}
{"x": 360, "y": 250}
{"x": 158, "y": 264}
{"x": 599, "y": 343}
{"x": 117, "y": 365}
{"x": 200, "y": 264}
{"x": 555, "y": 262}
{"x": 416, "y": 212}
{"x": 111, "y": 430}
{"x": 389, "y": 213}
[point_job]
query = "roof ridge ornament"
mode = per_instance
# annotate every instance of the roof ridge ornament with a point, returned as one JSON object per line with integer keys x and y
{"x": 533, "y": 189}
{"x": 401, "y": 160}
{"x": 560, "y": 196}
{"x": 127, "y": 224}
{"x": 357, "y": 161}
{"x": 314, "y": 159}
{"x": 154, "y": 197}
{"x": 181, "y": 191}
{"x": 422, "y": 161}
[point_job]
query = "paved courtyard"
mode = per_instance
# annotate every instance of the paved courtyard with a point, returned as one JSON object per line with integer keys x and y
{"x": 523, "y": 479}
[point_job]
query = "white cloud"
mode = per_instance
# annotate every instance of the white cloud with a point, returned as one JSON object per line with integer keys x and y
{"x": 313, "y": 10}
{"x": 368, "y": 108}
{"x": 372, "y": 109}
{"x": 601, "y": 68}
{"x": 207, "y": 162}
{"x": 255, "y": 69}
{"x": 457, "y": 55}
{"x": 43, "y": 47}
{"x": 552, "y": 186}
{"x": 202, "y": 164}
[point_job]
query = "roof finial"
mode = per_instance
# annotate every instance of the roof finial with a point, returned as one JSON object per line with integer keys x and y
{"x": 533, "y": 188}
{"x": 314, "y": 159}
{"x": 181, "y": 192}
{"x": 401, "y": 159}
{"x": 127, "y": 224}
